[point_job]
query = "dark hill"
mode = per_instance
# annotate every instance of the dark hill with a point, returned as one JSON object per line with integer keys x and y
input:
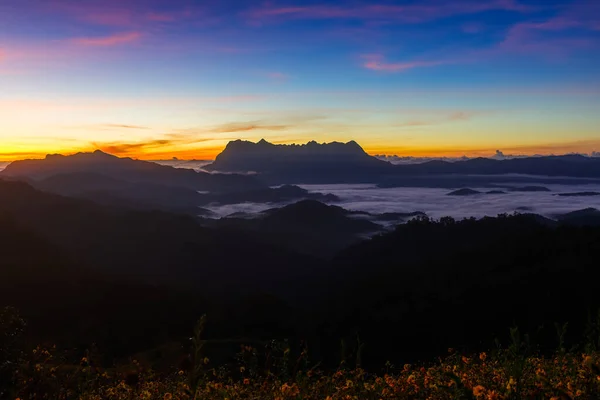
{"x": 464, "y": 192}
{"x": 308, "y": 163}
{"x": 568, "y": 165}
{"x": 586, "y": 217}
{"x": 154, "y": 247}
{"x": 126, "y": 169}
{"x": 285, "y": 193}
{"x": 429, "y": 284}
{"x": 307, "y": 226}
{"x": 579, "y": 194}
{"x": 529, "y": 189}
{"x": 114, "y": 192}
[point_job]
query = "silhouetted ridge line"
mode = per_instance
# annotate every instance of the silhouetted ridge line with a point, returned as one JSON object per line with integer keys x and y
{"x": 312, "y": 162}
{"x": 128, "y": 170}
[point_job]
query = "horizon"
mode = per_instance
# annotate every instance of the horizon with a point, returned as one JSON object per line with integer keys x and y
{"x": 497, "y": 154}
{"x": 158, "y": 79}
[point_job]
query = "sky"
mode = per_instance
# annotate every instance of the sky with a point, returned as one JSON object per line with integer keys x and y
{"x": 155, "y": 79}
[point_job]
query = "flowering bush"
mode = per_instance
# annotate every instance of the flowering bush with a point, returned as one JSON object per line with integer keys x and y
{"x": 482, "y": 376}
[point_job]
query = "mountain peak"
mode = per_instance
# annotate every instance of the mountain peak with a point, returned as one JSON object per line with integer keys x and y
{"x": 302, "y": 163}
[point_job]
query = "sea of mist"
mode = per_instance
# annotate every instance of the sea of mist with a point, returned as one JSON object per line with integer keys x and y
{"x": 436, "y": 202}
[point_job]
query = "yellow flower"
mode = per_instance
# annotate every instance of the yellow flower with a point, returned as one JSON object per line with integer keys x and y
{"x": 180, "y": 372}
{"x": 206, "y": 360}
{"x": 478, "y": 390}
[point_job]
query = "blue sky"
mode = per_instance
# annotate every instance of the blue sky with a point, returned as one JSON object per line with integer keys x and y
{"x": 160, "y": 78}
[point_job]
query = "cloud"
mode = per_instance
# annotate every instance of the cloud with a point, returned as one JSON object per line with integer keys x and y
{"x": 121, "y": 126}
{"x": 248, "y": 126}
{"x": 408, "y": 13}
{"x": 435, "y": 202}
{"x": 574, "y": 23}
{"x": 112, "y": 40}
{"x": 171, "y": 143}
{"x": 129, "y": 14}
{"x": 126, "y": 148}
{"x": 376, "y": 62}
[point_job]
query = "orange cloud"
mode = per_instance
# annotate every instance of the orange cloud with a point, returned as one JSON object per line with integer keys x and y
{"x": 112, "y": 40}
{"x": 248, "y": 126}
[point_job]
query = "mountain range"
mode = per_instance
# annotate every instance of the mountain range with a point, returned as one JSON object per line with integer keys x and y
{"x": 337, "y": 162}
{"x": 101, "y": 245}
{"x": 142, "y": 185}
{"x": 128, "y": 170}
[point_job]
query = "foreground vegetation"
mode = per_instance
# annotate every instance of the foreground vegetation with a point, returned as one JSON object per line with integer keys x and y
{"x": 276, "y": 372}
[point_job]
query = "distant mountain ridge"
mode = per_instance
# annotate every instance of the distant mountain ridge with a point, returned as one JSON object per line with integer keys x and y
{"x": 130, "y": 170}
{"x": 337, "y": 162}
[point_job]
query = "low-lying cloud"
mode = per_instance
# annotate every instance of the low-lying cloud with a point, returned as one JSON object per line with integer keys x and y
{"x": 436, "y": 203}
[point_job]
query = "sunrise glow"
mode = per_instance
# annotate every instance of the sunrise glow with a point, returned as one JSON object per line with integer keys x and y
{"x": 160, "y": 79}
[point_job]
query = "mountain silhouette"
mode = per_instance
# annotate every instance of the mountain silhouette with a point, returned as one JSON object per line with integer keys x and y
{"x": 280, "y": 194}
{"x": 129, "y": 170}
{"x": 464, "y": 192}
{"x": 149, "y": 247}
{"x": 586, "y": 217}
{"x": 307, "y": 226}
{"x": 556, "y": 166}
{"x": 579, "y": 194}
{"x": 135, "y": 195}
{"x": 348, "y": 163}
{"x": 312, "y": 162}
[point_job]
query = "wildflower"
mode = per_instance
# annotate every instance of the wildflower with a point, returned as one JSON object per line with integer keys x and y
{"x": 511, "y": 384}
{"x": 246, "y": 381}
{"x": 466, "y": 360}
{"x": 206, "y": 360}
{"x": 478, "y": 390}
{"x": 180, "y": 372}
{"x": 168, "y": 396}
{"x": 242, "y": 369}
{"x": 482, "y": 356}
